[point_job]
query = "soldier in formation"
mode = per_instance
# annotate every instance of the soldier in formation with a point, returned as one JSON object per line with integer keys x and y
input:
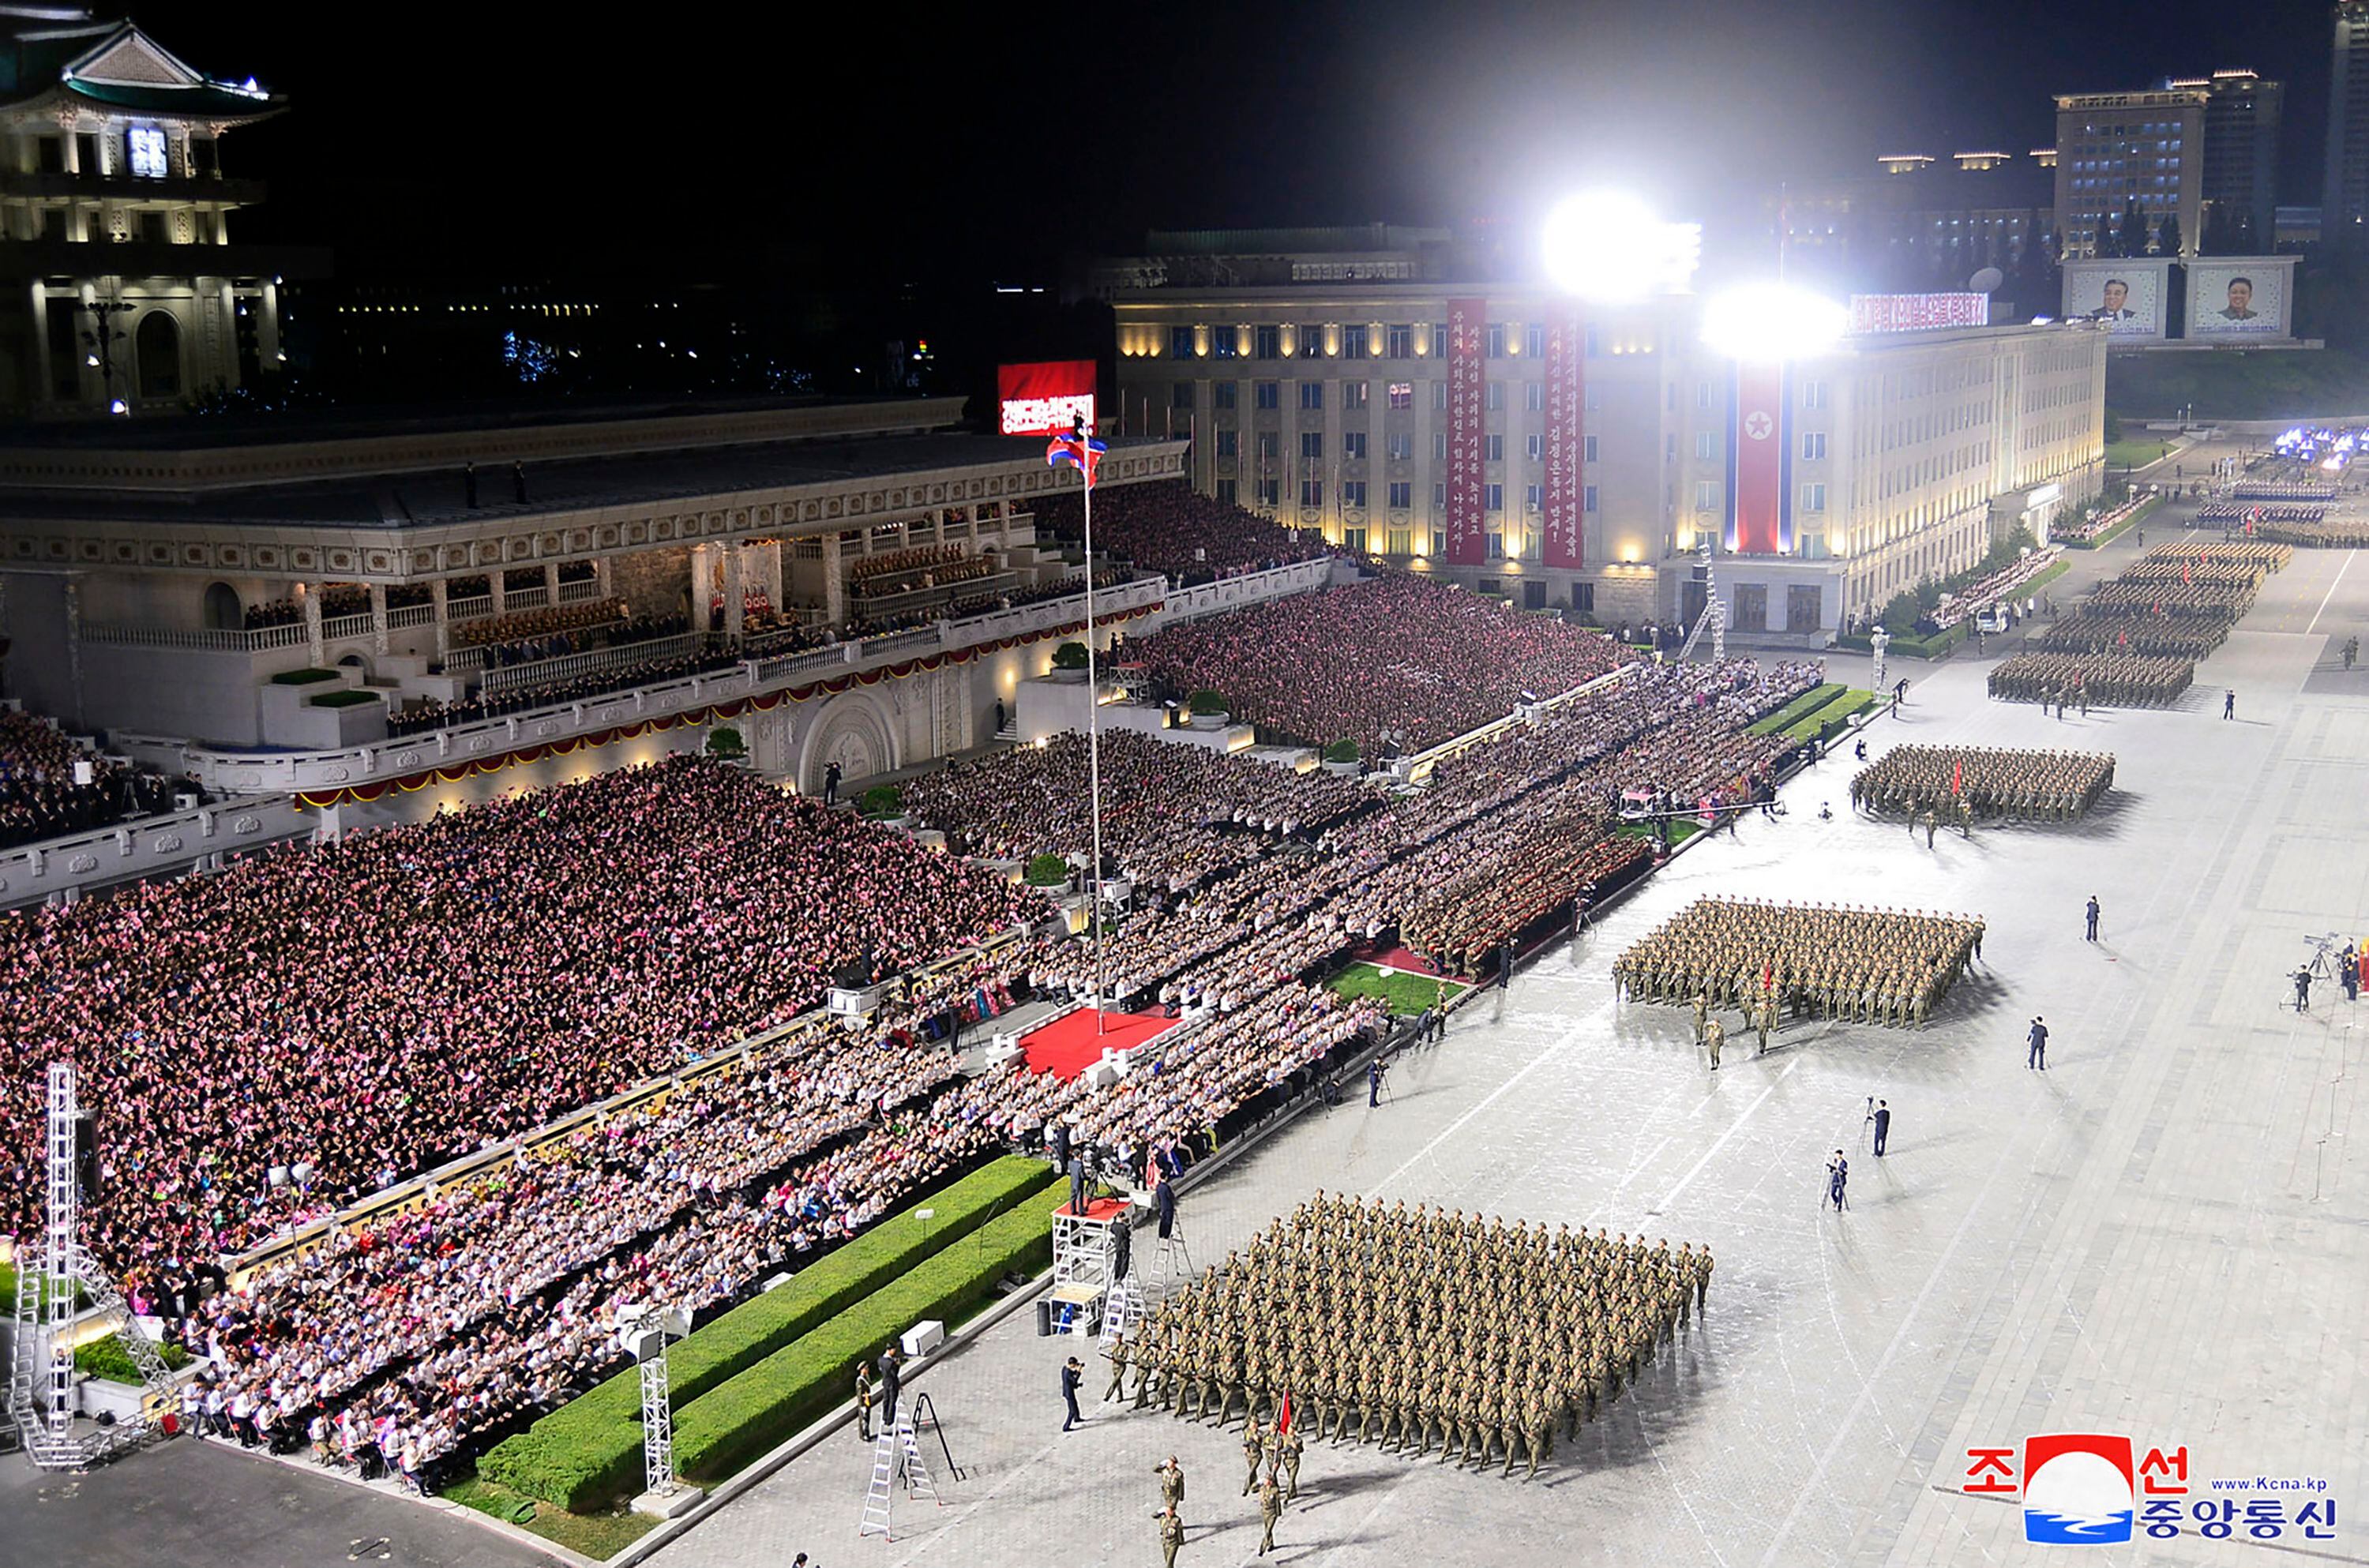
{"x": 1867, "y": 966}
{"x": 1408, "y": 1326}
{"x": 2125, "y": 679}
{"x": 2051, "y": 786}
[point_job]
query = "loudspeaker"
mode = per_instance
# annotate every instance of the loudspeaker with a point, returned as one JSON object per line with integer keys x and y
{"x": 86, "y": 1156}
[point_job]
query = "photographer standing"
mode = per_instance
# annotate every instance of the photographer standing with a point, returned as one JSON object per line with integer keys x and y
{"x": 2303, "y": 989}
{"x": 1837, "y": 1179}
{"x": 1373, "y": 1071}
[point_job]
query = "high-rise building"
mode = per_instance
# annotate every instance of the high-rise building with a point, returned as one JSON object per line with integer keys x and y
{"x": 2242, "y": 159}
{"x": 2344, "y": 195}
{"x": 126, "y": 289}
{"x": 2115, "y": 150}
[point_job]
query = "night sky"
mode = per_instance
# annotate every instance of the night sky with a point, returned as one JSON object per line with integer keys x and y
{"x": 691, "y": 143}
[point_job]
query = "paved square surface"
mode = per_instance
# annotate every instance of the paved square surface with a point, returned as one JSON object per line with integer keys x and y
{"x": 2161, "y": 1236}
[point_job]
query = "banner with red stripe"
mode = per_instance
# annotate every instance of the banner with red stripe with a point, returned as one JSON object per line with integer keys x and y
{"x": 1758, "y": 522}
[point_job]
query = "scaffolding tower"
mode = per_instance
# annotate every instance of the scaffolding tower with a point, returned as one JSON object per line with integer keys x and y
{"x": 42, "y": 1371}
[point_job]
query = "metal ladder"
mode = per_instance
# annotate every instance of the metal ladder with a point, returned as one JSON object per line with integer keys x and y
{"x": 1123, "y": 1310}
{"x": 875, "y": 1500}
{"x": 894, "y": 1453}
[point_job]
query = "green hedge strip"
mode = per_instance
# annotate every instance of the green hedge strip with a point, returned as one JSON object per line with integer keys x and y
{"x": 791, "y": 1389}
{"x": 1800, "y": 707}
{"x": 590, "y": 1449}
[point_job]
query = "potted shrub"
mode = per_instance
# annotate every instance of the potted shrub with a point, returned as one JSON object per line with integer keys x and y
{"x": 880, "y": 802}
{"x": 1208, "y": 709}
{"x": 1069, "y": 655}
{"x": 1048, "y": 871}
{"x": 1341, "y": 757}
{"x": 112, "y": 1381}
{"x": 726, "y": 744}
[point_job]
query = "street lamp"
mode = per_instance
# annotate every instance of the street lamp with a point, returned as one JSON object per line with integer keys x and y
{"x": 100, "y": 338}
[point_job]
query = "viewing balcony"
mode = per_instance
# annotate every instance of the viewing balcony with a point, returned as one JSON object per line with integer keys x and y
{"x": 246, "y": 771}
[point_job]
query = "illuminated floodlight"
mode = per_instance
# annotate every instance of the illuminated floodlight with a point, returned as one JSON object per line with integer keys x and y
{"x": 1760, "y": 322}
{"x": 1608, "y": 247}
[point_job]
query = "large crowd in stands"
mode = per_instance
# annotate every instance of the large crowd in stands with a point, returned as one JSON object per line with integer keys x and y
{"x": 1171, "y": 815}
{"x": 1169, "y": 527}
{"x": 621, "y": 632}
{"x": 909, "y": 562}
{"x": 364, "y": 1011}
{"x": 370, "y": 1007}
{"x": 436, "y": 713}
{"x": 530, "y": 626}
{"x": 945, "y": 567}
{"x": 2000, "y": 584}
{"x": 40, "y": 799}
{"x": 1397, "y": 658}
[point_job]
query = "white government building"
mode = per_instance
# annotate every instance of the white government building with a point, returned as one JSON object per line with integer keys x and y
{"x": 1310, "y": 368}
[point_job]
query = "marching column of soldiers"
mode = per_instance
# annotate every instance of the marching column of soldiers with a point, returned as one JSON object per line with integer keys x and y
{"x": 2157, "y": 635}
{"x": 2125, "y": 679}
{"x": 1867, "y": 966}
{"x": 1414, "y": 1327}
{"x": 2135, "y": 641}
{"x": 2051, "y": 786}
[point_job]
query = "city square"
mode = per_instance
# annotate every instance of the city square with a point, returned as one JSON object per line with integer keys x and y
{"x": 1555, "y": 814}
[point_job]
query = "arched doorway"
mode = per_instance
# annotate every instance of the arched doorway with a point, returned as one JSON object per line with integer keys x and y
{"x": 224, "y": 612}
{"x": 158, "y": 342}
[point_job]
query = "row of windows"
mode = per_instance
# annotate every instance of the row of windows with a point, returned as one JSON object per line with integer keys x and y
{"x": 1400, "y": 394}
{"x": 1357, "y": 395}
{"x": 1400, "y": 446}
{"x": 1362, "y": 342}
{"x": 1401, "y": 495}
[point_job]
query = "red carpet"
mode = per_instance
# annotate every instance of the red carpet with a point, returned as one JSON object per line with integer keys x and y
{"x": 1068, "y": 1044}
{"x": 1410, "y": 963}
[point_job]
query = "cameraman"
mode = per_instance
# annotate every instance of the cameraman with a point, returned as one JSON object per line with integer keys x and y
{"x": 1375, "y": 1071}
{"x": 2303, "y": 989}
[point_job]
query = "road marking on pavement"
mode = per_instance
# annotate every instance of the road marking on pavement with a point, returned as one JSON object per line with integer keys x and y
{"x": 2324, "y": 598}
{"x": 1030, "y": 1467}
{"x": 1538, "y": 1061}
{"x": 1720, "y": 1142}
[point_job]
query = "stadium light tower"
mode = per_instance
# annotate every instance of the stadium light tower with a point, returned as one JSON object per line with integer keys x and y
{"x": 1770, "y": 323}
{"x": 644, "y": 1331}
{"x": 1608, "y": 247}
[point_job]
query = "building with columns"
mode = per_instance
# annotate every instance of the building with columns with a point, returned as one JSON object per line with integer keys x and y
{"x": 1333, "y": 405}
{"x": 193, "y": 591}
{"x": 129, "y": 292}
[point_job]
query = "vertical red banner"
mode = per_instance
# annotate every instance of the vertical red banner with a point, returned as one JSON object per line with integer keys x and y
{"x": 1468, "y": 525}
{"x": 1756, "y": 444}
{"x": 1563, "y": 544}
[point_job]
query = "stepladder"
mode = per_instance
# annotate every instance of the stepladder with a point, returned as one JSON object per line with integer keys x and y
{"x": 896, "y": 1455}
{"x": 1124, "y": 1310}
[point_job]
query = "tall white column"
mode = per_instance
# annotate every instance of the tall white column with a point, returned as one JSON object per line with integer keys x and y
{"x": 312, "y": 592}
{"x": 703, "y": 589}
{"x": 378, "y": 618}
{"x": 736, "y": 593}
{"x": 834, "y": 588}
{"x": 439, "y": 614}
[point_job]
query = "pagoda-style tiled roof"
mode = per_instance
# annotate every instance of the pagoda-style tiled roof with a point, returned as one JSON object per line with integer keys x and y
{"x": 113, "y": 64}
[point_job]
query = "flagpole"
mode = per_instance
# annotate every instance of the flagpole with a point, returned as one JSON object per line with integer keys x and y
{"x": 1093, "y": 735}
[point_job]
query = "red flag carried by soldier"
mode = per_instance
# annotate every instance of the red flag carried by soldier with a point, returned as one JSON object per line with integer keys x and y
{"x": 1958, "y": 776}
{"x": 1283, "y": 1415}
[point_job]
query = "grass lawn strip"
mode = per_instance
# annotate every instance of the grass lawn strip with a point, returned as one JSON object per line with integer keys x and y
{"x": 1406, "y": 994}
